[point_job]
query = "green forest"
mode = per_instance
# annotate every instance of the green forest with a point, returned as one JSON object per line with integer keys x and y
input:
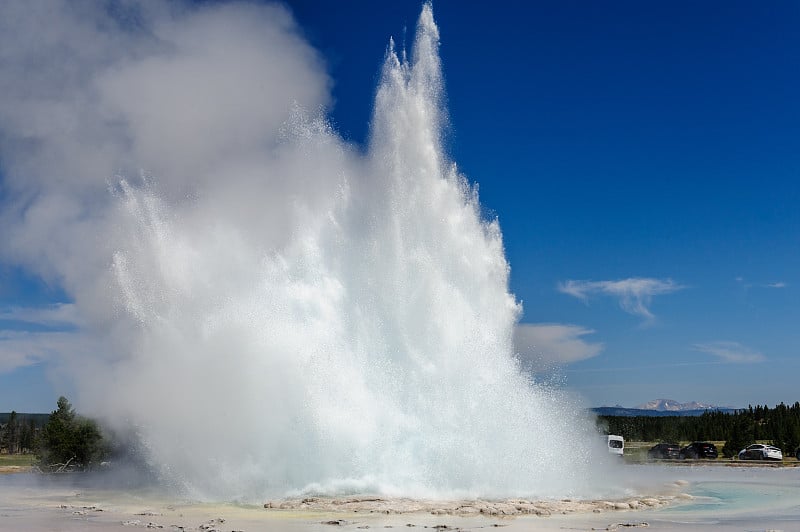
{"x": 779, "y": 426}
{"x": 63, "y": 439}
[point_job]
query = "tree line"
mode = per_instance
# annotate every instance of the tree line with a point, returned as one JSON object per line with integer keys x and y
{"x": 18, "y": 433}
{"x": 65, "y": 440}
{"x": 780, "y": 426}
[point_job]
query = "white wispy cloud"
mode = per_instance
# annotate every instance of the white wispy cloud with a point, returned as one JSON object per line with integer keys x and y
{"x": 775, "y": 284}
{"x": 58, "y": 315}
{"x": 733, "y": 352}
{"x": 39, "y": 334}
{"x": 635, "y": 294}
{"x": 19, "y": 349}
{"x": 554, "y": 342}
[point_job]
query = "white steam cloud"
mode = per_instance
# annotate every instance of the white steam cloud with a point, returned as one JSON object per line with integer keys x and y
{"x": 554, "y": 342}
{"x": 189, "y": 95}
{"x": 270, "y": 309}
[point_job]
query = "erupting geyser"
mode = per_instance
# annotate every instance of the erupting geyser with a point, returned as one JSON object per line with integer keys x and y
{"x": 298, "y": 317}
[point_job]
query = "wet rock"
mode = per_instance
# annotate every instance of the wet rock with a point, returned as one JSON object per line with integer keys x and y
{"x": 211, "y": 526}
{"x": 617, "y": 526}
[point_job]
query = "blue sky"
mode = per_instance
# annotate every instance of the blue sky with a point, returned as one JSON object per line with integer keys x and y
{"x": 643, "y": 160}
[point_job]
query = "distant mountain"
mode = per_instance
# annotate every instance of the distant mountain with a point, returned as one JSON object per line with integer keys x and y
{"x": 670, "y": 405}
{"x": 661, "y": 407}
{"x": 632, "y": 412}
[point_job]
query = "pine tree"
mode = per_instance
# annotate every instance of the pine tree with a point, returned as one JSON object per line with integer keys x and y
{"x": 69, "y": 438}
{"x": 739, "y": 436}
{"x": 27, "y": 436}
{"x": 10, "y": 438}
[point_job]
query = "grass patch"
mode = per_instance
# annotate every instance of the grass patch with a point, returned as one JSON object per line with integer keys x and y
{"x": 17, "y": 460}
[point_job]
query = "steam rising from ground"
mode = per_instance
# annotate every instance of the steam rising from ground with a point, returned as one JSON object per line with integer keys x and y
{"x": 274, "y": 312}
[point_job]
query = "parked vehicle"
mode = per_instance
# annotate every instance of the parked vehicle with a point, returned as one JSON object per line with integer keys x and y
{"x": 616, "y": 444}
{"x": 666, "y": 451}
{"x": 797, "y": 453}
{"x": 699, "y": 449}
{"x": 759, "y": 451}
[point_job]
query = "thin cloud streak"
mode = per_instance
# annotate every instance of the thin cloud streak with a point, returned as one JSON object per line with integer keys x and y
{"x": 635, "y": 294}
{"x": 647, "y": 367}
{"x": 35, "y": 335}
{"x": 776, "y": 284}
{"x": 20, "y": 349}
{"x": 58, "y": 315}
{"x": 730, "y": 352}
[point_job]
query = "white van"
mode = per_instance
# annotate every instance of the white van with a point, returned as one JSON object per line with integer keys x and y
{"x": 616, "y": 444}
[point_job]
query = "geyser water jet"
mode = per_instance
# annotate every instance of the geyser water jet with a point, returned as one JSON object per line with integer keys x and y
{"x": 292, "y": 316}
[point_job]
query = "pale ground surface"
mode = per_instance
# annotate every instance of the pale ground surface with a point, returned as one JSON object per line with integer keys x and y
{"x": 709, "y": 498}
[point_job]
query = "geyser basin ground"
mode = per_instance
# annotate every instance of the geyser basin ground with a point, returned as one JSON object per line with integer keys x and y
{"x": 700, "y": 498}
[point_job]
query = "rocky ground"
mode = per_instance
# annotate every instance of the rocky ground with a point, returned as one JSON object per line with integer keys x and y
{"x": 501, "y": 508}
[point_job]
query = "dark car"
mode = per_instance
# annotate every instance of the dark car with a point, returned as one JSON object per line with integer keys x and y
{"x": 699, "y": 449}
{"x": 797, "y": 453}
{"x": 665, "y": 451}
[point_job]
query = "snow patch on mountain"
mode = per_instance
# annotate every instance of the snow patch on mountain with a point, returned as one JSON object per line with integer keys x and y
{"x": 670, "y": 405}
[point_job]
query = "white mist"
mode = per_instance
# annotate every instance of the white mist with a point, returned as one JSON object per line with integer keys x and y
{"x": 274, "y": 312}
